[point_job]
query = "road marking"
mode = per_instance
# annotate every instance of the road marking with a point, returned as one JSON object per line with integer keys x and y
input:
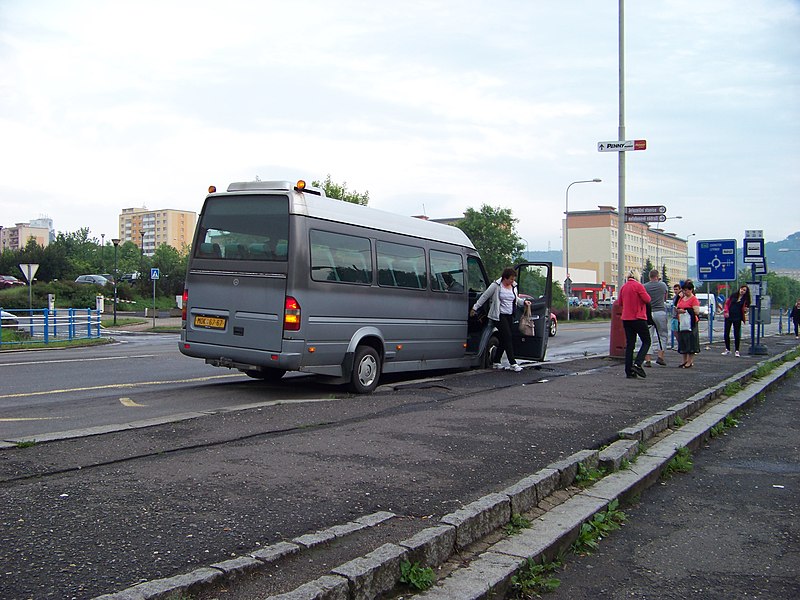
{"x": 10, "y": 420}
{"x": 71, "y": 360}
{"x": 112, "y": 386}
{"x": 130, "y": 403}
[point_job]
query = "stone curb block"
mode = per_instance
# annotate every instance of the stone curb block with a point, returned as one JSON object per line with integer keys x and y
{"x": 485, "y": 577}
{"x": 160, "y": 589}
{"x": 327, "y": 587}
{"x": 432, "y": 546}
{"x": 374, "y": 573}
{"x": 479, "y": 518}
{"x": 529, "y": 491}
{"x": 309, "y": 540}
{"x": 568, "y": 467}
{"x": 274, "y": 552}
{"x": 611, "y": 457}
{"x": 238, "y": 566}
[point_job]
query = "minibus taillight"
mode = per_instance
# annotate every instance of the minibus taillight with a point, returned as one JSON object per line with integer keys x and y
{"x": 291, "y": 315}
{"x": 184, "y": 302}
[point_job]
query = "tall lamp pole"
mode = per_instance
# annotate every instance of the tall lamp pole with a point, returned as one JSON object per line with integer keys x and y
{"x": 102, "y": 252}
{"x": 568, "y": 280}
{"x": 115, "y": 241}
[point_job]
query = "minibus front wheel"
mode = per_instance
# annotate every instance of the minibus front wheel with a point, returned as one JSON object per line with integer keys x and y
{"x": 366, "y": 370}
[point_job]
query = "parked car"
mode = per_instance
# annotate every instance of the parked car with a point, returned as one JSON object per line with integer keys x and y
{"x": 587, "y": 302}
{"x": 92, "y": 279}
{"x": 7, "y": 281}
{"x": 552, "y": 327}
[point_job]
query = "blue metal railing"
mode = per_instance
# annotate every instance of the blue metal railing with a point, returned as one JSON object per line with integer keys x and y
{"x": 43, "y": 325}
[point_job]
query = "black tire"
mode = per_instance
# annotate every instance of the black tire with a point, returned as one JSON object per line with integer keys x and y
{"x": 552, "y": 328}
{"x": 366, "y": 370}
{"x": 266, "y": 374}
{"x": 492, "y": 349}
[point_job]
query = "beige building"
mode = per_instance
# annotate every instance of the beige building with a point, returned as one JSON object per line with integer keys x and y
{"x": 16, "y": 238}
{"x": 593, "y": 245}
{"x": 149, "y": 229}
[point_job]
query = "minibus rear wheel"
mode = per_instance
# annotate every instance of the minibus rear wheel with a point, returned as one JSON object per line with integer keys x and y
{"x": 366, "y": 370}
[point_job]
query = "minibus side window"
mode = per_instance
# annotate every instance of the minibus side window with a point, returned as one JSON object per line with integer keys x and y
{"x": 447, "y": 272}
{"x": 402, "y": 266}
{"x": 340, "y": 258}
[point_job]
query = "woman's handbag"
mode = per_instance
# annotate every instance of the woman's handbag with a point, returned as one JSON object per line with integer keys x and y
{"x": 675, "y": 324}
{"x": 526, "y": 326}
{"x": 685, "y": 320}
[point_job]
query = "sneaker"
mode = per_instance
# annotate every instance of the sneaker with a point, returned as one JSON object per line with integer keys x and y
{"x": 497, "y": 366}
{"x": 516, "y": 368}
{"x": 726, "y": 353}
{"x": 632, "y": 376}
{"x": 661, "y": 361}
{"x": 638, "y": 370}
{"x": 647, "y": 363}
{"x": 737, "y": 354}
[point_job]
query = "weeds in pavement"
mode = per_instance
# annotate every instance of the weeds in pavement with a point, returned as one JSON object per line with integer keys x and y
{"x": 726, "y": 423}
{"x": 517, "y": 524}
{"x": 26, "y": 444}
{"x": 732, "y": 388}
{"x": 765, "y": 369}
{"x": 624, "y": 464}
{"x": 415, "y": 576}
{"x": 678, "y": 422}
{"x": 680, "y": 463}
{"x": 586, "y": 476}
{"x": 599, "y": 527}
{"x": 532, "y": 579}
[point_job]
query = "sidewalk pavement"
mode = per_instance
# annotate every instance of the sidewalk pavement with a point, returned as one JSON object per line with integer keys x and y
{"x": 467, "y": 548}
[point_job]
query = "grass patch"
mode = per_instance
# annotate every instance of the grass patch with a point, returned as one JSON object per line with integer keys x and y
{"x": 680, "y": 463}
{"x": 724, "y": 424}
{"x": 517, "y": 524}
{"x": 121, "y": 322}
{"x": 732, "y": 388}
{"x": 77, "y": 343}
{"x": 602, "y": 524}
{"x": 587, "y": 476}
{"x": 533, "y": 579}
{"x": 26, "y": 444}
{"x": 678, "y": 422}
{"x": 415, "y": 576}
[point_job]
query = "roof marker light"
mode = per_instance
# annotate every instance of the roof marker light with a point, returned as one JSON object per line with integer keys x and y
{"x": 212, "y": 189}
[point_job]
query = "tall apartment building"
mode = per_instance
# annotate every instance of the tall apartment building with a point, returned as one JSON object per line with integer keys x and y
{"x": 16, "y": 238}
{"x": 148, "y": 229}
{"x": 594, "y": 245}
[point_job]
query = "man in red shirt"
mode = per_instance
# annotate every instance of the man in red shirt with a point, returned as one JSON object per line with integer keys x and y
{"x": 633, "y": 299}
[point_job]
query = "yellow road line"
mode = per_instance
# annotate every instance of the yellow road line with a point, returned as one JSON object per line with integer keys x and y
{"x": 113, "y": 386}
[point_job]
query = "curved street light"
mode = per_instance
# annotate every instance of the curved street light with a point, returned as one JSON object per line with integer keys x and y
{"x": 568, "y": 280}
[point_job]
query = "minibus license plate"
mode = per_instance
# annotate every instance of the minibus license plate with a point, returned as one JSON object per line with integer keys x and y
{"x": 210, "y": 322}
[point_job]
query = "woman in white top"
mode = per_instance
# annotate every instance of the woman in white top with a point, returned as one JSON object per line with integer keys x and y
{"x": 504, "y": 297}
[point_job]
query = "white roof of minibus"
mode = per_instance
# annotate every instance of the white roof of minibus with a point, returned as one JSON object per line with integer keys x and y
{"x": 339, "y": 211}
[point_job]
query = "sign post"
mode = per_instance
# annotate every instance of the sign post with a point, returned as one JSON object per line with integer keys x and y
{"x": 155, "y": 274}
{"x": 29, "y": 271}
{"x": 753, "y": 254}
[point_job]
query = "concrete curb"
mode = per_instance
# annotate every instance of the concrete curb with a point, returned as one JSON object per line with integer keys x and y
{"x": 489, "y": 574}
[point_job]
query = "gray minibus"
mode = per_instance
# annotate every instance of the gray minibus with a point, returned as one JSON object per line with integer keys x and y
{"x": 282, "y": 278}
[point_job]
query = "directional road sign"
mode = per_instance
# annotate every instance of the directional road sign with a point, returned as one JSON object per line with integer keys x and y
{"x": 622, "y": 146}
{"x": 646, "y": 210}
{"x": 633, "y": 218}
{"x": 716, "y": 260}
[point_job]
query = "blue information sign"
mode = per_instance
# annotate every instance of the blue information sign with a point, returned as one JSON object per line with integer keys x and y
{"x": 155, "y": 273}
{"x": 716, "y": 260}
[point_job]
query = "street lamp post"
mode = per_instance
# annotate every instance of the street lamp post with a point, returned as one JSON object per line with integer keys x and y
{"x": 102, "y": 252}
{"x": 115, "y": 241}
{"x": 568, "y": 280}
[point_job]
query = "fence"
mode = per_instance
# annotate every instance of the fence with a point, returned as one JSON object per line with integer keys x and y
{"x": 44, "y": 325}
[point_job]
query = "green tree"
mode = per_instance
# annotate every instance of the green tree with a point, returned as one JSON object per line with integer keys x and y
{"x": 665, "y": 276}
{"x": 340, "y": 192}
{"x": 492, "y": 230}
{"x": 648, "y": 266}
{"x": 172, "y": 270}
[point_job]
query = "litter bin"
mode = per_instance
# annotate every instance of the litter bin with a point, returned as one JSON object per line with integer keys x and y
{"x": 617, "y": 344}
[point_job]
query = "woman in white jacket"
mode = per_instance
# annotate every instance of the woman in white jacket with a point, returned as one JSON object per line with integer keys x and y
{"x": 503, "y": 295}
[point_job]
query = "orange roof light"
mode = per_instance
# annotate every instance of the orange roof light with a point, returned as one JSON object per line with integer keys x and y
{"x": 301, "y": 185}
{"x": 212, "y": 189}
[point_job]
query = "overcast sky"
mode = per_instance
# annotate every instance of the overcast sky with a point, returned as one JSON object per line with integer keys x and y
{"x": 431, "y": 106}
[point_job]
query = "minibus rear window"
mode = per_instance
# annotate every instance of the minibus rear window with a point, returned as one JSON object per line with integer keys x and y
{"x": 251, "y": 227}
